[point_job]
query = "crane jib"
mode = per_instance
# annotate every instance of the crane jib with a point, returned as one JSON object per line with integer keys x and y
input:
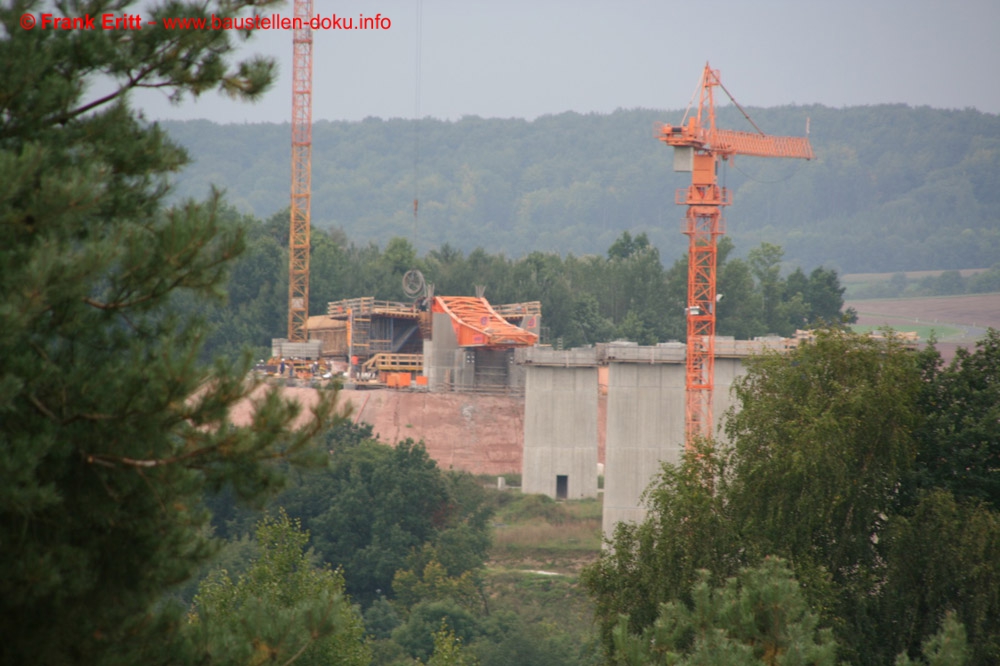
{"x": 732, "y": 142}
{"x": 725, "y": 143}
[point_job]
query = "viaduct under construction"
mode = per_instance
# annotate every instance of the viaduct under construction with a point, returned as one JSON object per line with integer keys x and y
{"x": 645, "y": 392}
{"x": 465, "y": 345}
{"x": 659, "y": 399}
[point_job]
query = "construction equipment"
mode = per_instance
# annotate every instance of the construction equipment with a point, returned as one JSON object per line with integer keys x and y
{"x": 298, "y": 238}
{"x": 297, "y": 344}
{"x": 698, "y": 147}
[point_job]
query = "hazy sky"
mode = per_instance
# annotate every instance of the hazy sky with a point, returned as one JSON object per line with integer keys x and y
{"x": 515, "y": 58}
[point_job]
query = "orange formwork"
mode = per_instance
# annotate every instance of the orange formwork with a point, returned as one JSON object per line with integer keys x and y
{"x": 397, "y": 379}
{"x": 477, "y": 324}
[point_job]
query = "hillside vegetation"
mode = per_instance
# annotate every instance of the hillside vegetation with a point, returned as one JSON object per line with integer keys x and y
{"x": 893, "y": 188}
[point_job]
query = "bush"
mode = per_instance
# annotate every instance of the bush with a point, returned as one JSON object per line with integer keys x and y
{"x": 530, "y": 507}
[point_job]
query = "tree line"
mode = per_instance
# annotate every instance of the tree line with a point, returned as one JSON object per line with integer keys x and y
{"x": 948, "y": 283}
{"x": 625, "y": 293}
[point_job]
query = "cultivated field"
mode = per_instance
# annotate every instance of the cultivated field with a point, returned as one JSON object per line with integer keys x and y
{"x": 957, "y": 321}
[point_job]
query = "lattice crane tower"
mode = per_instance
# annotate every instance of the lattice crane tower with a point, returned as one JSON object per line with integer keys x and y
{"x": 298, "y": 239}
{"x": 698, "y": 147}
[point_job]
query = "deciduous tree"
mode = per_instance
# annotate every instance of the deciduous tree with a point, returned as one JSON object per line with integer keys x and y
{"x": 821, "y": 437}
{"x": 377, "y": 504}
{"x": 688, "y": 529}
{"x": 818, "y": 447}
{"x": 959, "y": 441}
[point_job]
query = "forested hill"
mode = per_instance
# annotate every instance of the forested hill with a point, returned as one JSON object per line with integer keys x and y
{"x": 893, "y": 187}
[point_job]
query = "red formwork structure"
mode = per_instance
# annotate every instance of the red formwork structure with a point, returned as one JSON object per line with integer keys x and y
{"x": 698, "y": 147}
{"x": 477, "y": 324}
{"x": 298, "y": 239}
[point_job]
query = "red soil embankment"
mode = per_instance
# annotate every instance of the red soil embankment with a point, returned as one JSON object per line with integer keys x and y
{"x": 482, "y": 434}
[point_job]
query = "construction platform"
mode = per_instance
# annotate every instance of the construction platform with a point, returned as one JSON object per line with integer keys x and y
{"x": 457, "y": 342}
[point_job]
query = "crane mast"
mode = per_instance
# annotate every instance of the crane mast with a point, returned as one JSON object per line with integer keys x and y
{"x": 698, "y": 147}
{"x": 298, "y": 238}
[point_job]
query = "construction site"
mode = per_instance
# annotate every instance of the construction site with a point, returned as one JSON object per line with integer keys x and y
{"x": 561, "y": 419}
{"x": 470, "y": 379}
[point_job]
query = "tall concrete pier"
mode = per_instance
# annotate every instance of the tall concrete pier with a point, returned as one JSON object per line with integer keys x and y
{"x": 645, "y": 424}
{"x": 560, "y": 423}
{"x": 645, "y": 417}
{"x": 646, "y": 389}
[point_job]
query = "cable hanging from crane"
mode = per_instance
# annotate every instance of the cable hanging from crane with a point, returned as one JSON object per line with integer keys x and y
{"x": 703, "y": 85}
{"x": 419, "y": 25}
{"x": 742, "y": 110}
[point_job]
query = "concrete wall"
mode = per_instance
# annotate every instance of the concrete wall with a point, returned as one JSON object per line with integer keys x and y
{"x": 726, "y": 372}
{"x": 560, "y": 430}
{"x": 644, "y": 426}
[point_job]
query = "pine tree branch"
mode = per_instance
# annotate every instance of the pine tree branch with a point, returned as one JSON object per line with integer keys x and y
{"x": 168, "y": 50}
{"x": 294, "y": 657}
{"x": 329, "y": 611}
{"x": 155, "y": 293}
{"x": 40, "y": 406}
{"x": 133, "y": 81}
{"x": 100, "y": 458}
{"x": 117, "y": 305}
{"x": 70, "y": 115}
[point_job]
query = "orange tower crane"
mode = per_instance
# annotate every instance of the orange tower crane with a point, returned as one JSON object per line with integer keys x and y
{"x": 298, "y": 238}
{"x": 698, "y": 147}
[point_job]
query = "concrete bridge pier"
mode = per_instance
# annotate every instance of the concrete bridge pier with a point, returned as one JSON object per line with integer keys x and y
{"x": 560, "y": 423}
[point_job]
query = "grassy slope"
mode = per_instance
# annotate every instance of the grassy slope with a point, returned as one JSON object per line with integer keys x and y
{"x": 953, "y": 320}
{"x": 534, "y": 531}
{"x": 540, "y": 546}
